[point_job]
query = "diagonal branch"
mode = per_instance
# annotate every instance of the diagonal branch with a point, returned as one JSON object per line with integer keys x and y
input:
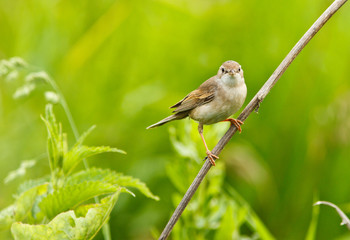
{"x": 254, "y": 104}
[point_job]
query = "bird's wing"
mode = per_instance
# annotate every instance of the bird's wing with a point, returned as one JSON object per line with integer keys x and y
{"x": 205, "y": 93}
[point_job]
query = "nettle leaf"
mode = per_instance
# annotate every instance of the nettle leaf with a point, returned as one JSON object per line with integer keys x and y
{"x": 57, "y": 140}
{"x": 70, "y": 196}
{"x": 111, "y": 177}
{"x": 128, "y": 181}
{"x": 59, "y": 156}
{"x": 22, "y": 206}
{"x": 67, "y": 225}
{"x": 84, "y": 135}
{"x": 92, "y": 174}
{"x": 79, "y": 152}
{"x": 31, "y": 184}
{"x": 82, "y": 210}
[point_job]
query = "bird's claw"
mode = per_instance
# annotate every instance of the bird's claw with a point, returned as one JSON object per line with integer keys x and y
{"x": 211, "y": 157}
{"x": 235, "y": 122}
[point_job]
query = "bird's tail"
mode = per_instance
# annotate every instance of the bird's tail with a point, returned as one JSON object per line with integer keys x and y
{"x": 175, "y": 116}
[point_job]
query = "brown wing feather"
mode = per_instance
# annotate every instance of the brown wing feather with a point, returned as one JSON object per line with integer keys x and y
{"x": 203, "y": 94}
{"x": 179, "y": 103}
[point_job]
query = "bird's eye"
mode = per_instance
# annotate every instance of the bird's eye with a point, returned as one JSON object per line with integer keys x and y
{"x": 223, "y": 70}
{"x": 239, "y": 69}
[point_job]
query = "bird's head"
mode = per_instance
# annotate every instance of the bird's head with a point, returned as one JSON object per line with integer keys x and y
{"x": 231, "y": 70}
{"x": 230, "y": 67}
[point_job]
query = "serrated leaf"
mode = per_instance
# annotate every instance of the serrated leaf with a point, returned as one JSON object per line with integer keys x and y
{"x": 22, "y": 206}
{"x": 93, "y": 174}
{"x": 84, "y": 135}
{"x": 78, "y": 153}
{"x": 32, "y": 183}
{"x": 70, "y": 196}
{"x": 57, "y": 140}
{"x": 67, "y": 226}
{"x": 7, "y": 217}
{"x": 82, "y": 210}
{"x": 128, "y": 181}
{"x": 21, "y": 171}
{"x": 109, "y": 176}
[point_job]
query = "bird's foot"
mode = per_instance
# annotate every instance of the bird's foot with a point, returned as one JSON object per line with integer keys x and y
{"x": 212, "y": 157}
{"x": 235, "y": 122}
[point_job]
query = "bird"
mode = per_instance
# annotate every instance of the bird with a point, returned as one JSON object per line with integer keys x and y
{"x": 215, "y": 100}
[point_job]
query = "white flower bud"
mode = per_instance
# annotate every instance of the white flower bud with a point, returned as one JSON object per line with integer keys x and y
{"x": 52, "y": 97}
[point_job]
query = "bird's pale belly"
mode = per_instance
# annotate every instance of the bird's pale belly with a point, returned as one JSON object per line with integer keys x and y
{"x": 208, "y": 115}
{"x": 220, "y": 108}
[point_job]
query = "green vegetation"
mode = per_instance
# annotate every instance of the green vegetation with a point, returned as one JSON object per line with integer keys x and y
{"x": 121, "y": 64}
{"x": 59, "y": 206}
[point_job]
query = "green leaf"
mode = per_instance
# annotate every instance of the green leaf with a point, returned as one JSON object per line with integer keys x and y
{"x": 128, "y": 181}
{"x": 108, "y": 176}
{"x": 79, "y": 152}
{"x": 32, "y": 183}
{"x": 59, "y": 156}
{"x": 82, "y": 210}
{"x": 227, "y": 225}
{"x": 251, "y": 218}
{"x": 67, "y": 226}
{"x": 57, "y": 140}
{"x": 84, "y": 135}
{"x": 311, "y": 232}
{"x": 22, "y": 206}
{"x": 21, "y": 171}
{"x": 71, "y": 196}
{"x": 185, "y": 147}
{"x": 93, "y": 174}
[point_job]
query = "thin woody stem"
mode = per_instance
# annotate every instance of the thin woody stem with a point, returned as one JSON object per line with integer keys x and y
{"x": 253, "y": 104}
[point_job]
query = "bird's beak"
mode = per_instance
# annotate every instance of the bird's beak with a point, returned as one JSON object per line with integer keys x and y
{"x": 232, "y": 72}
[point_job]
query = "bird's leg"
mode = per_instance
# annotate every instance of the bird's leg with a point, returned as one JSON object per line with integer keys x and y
{"x": 235, "y": 122}
{"x": 211, "y": 156}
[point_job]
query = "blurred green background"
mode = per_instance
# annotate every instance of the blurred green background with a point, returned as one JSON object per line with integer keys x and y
{"x": 121, "y": 64}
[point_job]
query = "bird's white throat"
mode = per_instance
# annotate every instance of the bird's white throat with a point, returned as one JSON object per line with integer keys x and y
{"x": 232, "y": 81}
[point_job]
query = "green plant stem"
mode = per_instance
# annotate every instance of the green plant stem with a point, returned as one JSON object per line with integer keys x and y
{"x": 68, "y": 114}
{"x": 106, "y": 228}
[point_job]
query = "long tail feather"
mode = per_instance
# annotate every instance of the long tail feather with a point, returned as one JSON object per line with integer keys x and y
{"x": 168, "y": 119}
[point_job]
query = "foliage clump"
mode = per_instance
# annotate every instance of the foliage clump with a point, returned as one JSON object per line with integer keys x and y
{"x": 65, "y": 204}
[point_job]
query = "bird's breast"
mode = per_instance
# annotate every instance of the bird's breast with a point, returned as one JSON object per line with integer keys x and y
{"x": 227, "y": 101}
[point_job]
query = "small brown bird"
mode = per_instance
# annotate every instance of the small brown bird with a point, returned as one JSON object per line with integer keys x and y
{"x": 213, "y": 101}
